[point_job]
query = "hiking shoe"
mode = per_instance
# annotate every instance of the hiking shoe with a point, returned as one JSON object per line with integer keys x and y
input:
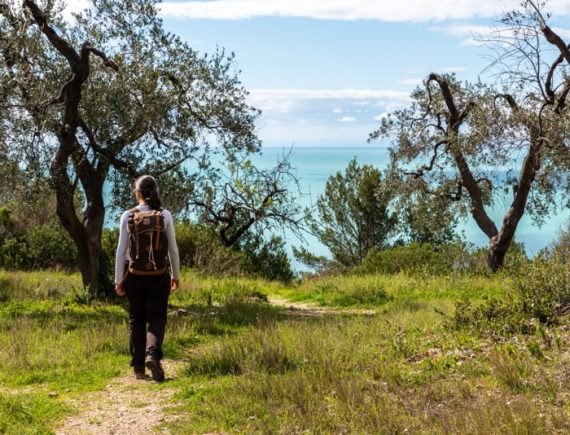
{"x": 156, "y": 369}
{"x": 139, "y": 374}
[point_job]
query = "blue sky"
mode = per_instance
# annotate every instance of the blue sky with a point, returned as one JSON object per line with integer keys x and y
{"x": 325, "y": 71}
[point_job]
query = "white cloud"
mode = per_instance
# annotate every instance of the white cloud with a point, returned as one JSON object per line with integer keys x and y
{"x": 381, "y": 116}
{"x": 326, "y": 94}
{"x": 479, "y": 35}
{"x": 403, "y": 10}
{"x": 466, "y": 29}
{"x": 308, "y": 115}
{"x": 476, "y": 34}
{"x": 345, "y": 133}
{"x": 410, "y": 81}
{"x": 285, "y": 101}
{"x": 337, "y": 110}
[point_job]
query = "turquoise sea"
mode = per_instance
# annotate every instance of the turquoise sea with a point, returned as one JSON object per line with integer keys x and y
{"x": 315, "y": 164}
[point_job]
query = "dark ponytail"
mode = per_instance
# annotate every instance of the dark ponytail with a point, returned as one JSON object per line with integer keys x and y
{"x": 148, "y": 188}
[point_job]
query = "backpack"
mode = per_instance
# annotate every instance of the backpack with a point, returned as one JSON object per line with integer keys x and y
{"x": 148, "y": 244}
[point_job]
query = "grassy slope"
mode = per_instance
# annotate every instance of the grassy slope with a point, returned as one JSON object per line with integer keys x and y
{"x": 253, "y": 367}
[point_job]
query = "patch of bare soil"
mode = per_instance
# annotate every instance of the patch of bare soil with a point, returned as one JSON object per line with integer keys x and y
{"x": 313, "y": 310}
{"x": 125, "y": 406}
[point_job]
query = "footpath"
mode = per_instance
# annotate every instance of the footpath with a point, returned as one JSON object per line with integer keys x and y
{"x": 128, "y": 406}
{"x": 125, "y": 406}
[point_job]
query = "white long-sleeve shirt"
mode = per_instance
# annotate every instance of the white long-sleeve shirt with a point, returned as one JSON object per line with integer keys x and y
{"x": 123, "y": 248}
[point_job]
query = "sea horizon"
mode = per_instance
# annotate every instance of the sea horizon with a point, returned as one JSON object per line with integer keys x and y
{"x": 313, "y": 165}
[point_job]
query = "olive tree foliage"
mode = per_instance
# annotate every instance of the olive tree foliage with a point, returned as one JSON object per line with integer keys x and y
{"x": 468, "y": 142}
{"x": 109, "y": 95}
{"x": 423, "y": 218}
{"x": 243, "y": 196}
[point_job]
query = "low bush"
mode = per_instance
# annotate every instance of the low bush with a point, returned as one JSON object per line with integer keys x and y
{"x": 48, "y": 246}
{"x": 40, "y": 247}
{"x": 543, "y": 288}
{"x": 266, "y": 258}
{"x": 436, "y": 259}
{"x": 201, "y": 249}
{"x": 560, "y": 249}
{"x": 540, "y": 294}
{"x": 416, "y": 258}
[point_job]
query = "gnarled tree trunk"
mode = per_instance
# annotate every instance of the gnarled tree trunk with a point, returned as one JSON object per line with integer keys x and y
{"x": 499, "y": 244}
{"x": 85, "y": 232}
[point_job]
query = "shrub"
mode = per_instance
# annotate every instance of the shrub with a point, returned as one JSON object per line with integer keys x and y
{"x": 543, "y": 288}
{"x": 49, "y": 246}
{"x": 560, "y": 249}
{"x": 266, "y": 258}
{"x": 14, "y": 254}
{"x": 436, "y": 259}
{"x": 40, "y": 247}
{"x": 495, "y": 316}
{"x": 540, "y": 294}
{"x": 201, "y": 249}
{"x": 414, "y": 258}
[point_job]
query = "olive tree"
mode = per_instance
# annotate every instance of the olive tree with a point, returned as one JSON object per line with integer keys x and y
{"x": 109, "y": 95}
{"x": 456, "y": 139}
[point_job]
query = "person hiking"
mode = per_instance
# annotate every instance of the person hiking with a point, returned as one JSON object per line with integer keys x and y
{"x": 146, "y": 239}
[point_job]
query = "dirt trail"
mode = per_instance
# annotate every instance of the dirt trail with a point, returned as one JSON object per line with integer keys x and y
{"x": 308, "y": 309}
{"x": 125, "y": 406}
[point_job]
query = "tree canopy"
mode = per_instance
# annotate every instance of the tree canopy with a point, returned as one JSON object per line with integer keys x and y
{"x": 108, "y": 95}
{"x": 467, "y": 142}
{"x": 354, "y": 214}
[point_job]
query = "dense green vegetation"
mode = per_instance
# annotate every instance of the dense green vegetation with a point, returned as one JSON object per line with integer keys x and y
{"x": 48, "y": 246}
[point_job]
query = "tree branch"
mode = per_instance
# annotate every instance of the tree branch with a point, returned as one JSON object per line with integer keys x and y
{"x": 105, "y": 152}
{"x": 106, "y": 61}
{"x": 509, "y": 99}
{"x": 552, "y": 37}
{"x": 426, "y": 168}
{"x": 59, "y": 43}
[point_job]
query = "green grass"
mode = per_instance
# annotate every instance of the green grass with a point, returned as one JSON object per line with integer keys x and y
{"x": 377, "y": 290}
{"x": 368, "y": 375}
{"x": 28, "y": 413}
{"x": 252, "y": 367}
{"x": 401, "y": 370}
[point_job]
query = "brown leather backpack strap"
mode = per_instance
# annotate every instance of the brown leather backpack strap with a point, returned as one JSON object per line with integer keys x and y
{"x": 132, "y": 212}
{"x": 158, "y": 215}
{"x": 132, "y": 219}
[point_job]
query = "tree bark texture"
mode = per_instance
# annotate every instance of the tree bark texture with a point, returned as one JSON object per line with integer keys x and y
{"x": 86, "y": 231}
{"x": 499, "y": 240}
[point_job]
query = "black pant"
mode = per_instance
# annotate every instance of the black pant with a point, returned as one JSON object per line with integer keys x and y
{"x": 148, "y": 300}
